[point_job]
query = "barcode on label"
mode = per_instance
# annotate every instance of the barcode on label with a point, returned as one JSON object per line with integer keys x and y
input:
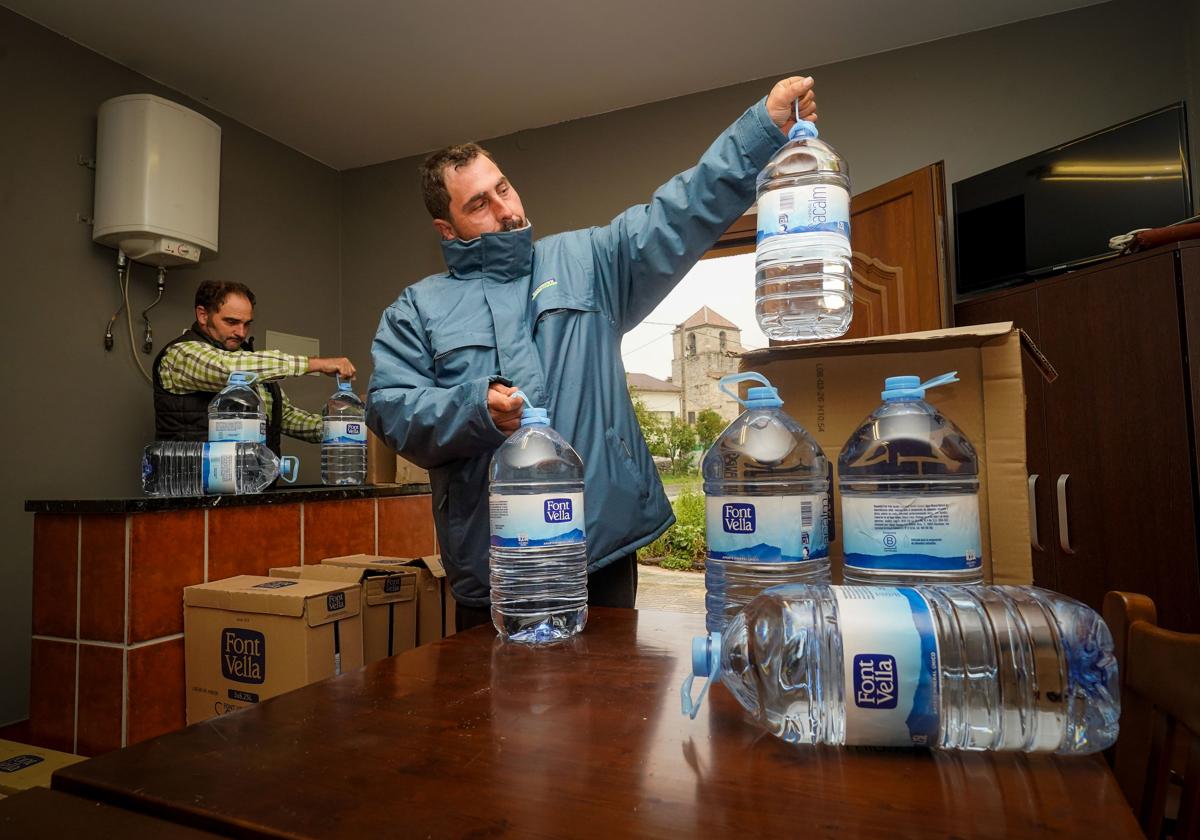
{"x": 806, "y": 517}
{"x": 787, "y": 201}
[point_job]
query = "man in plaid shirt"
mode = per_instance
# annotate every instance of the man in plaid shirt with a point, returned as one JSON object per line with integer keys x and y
{"x": 197, "y": 364}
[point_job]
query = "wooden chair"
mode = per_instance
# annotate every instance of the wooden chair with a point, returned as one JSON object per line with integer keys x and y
{"x": 1157, "y": 756}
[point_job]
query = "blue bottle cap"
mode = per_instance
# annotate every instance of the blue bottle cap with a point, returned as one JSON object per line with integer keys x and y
{"x": 802, "y": 128}
{"x": 534, "y": 417}
{"x": 705, "y": 649}
{"x": 763, "y": 397}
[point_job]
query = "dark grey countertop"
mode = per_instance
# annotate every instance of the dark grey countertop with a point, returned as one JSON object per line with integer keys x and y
{"x": 281, "y": 496}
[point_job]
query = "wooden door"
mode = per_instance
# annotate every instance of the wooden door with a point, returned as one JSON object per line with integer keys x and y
{"x": 1021, "y": 307}
{"x": 899, "y": 261}
{"x": 1117, "y": 423}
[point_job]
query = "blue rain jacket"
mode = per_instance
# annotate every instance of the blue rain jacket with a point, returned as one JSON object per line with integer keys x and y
{"x": 548, "y": 317}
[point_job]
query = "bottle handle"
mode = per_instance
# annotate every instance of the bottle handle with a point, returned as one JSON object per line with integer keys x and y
{"x": 525, "y": 399}
{"x": 289, "y": 468}
{"x": 735, "y": 378}
{"x": 944, "y": 379}
{"x": 692, "y": 708}
{"x": 704, "y": 663}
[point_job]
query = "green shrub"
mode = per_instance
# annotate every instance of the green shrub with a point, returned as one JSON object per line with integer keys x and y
{"x": 676, "y": 564}
{"x": 683, "y": 545}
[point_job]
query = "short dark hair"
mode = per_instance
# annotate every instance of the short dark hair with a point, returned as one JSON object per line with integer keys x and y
{"x": 433, "y": 175}
{"x": 211, "y": 294}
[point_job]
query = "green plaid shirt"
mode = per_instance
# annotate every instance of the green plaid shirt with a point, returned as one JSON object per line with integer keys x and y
{"x": 194, "y": 366}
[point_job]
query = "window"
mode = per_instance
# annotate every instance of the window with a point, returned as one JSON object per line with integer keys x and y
{"x": 691, "y": 344}
{"x": 691, "y": 418}
{"x": 721, "y": 336}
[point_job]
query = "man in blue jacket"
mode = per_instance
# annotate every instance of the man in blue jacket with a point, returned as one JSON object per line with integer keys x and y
{"x": 548, "y": 318}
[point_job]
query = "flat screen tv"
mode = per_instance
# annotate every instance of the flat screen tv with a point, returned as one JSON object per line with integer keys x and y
{"x": 1057, "y": 209}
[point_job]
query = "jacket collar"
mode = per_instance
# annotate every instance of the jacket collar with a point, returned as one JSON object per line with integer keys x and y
{"x": 503, "y": 257}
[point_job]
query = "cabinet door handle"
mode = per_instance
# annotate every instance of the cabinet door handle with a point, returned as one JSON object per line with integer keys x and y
{"x": 1033, "y": 523}
{"x": 1064, "y": 528}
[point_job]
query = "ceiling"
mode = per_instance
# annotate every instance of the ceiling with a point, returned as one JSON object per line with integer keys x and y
{"x": 358, "y": 82}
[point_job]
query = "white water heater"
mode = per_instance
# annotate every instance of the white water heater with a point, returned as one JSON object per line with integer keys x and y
{"x": 158, "y": 180}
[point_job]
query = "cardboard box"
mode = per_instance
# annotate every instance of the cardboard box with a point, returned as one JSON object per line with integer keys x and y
{"x": 23, "y": 766}
{"x": 249, "y": 638}
{"x": 830, "y": 387}
{"x": 381, "y": 460}
{"x": 409, "y": 473}
{"x": 434, "y": 599}
{"x": 389, "y": 604}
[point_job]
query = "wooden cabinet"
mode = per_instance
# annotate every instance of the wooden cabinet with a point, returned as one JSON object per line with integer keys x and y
{"x": 1112, "y": 440}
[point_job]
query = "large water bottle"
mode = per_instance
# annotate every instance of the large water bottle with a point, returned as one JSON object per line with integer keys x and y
{"x": 949, "y": 667}
{"x": 538, "y": 539}
{"x": 236, "y": 413}
{"x": 909, "y": 481}
{"x": 344, "y": 442}
{"x": 802, "y": 259}
{"x": 766, "y": 487}
{"x": 195, "y": 468}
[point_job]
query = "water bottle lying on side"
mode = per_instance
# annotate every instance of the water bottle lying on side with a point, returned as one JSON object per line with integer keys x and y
{"x": 195, "y": 468}
{"x": 538, "y": 553}
{"x": 949, "y": 667}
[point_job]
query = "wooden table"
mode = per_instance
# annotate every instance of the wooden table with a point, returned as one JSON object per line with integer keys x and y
{"x": 471, "y": 737}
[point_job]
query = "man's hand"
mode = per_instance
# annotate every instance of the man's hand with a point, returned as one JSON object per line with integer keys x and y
{"x": 504, "y": 407}
{"x": 781, "y": 98}
{"x": 331, "y": 367}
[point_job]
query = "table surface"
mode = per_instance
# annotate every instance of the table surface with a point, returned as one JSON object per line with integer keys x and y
{"x": 468, "y": 736}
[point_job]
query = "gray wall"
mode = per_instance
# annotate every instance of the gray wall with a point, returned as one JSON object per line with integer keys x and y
{"x": 975, "y": 101}
{"x": 278, "y": 232}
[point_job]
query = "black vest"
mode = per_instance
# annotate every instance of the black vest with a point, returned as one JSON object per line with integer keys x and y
{"x": 185, "y": 416}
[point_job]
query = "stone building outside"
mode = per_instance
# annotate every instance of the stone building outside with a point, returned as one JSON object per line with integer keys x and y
{"x": 706, "y": 348}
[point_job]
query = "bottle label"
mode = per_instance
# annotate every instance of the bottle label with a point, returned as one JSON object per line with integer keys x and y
{"x": 247, "y": 429}
{"x": 813, "y": 208}
{"x": 544, "y": 519}
{"x": 767, "y": 529}
{"x": 922, "y": 533}
{"x": 220, "y": 468}
{"x": 890, "y": 670}
{"x": 344, "y": 431}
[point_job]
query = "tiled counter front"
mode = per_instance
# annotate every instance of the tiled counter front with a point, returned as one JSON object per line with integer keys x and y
{"x": 107, "y": 666}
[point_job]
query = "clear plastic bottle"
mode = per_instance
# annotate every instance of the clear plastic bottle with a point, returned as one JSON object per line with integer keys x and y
{"x": 538, "y": 539}
{"x": 237, "y": 413}
{"x": 909, "y": 482}
{"x": 949, "y": 667}
{"x": 344, "y": 441}
{"x": 195, "y": 468}
{"x": 766, "y": 487}
{"x": 802, "y": 259}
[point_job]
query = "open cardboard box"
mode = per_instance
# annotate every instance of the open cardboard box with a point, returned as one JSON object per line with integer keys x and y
{"x": 435, "y": 602}
{"x": 389, "y": 604}
{"x": 830, "y": 387}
